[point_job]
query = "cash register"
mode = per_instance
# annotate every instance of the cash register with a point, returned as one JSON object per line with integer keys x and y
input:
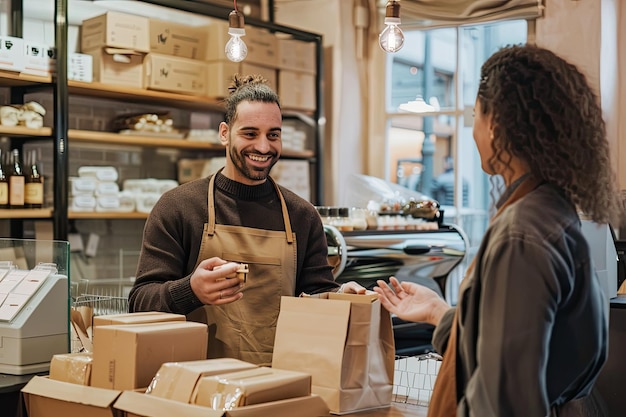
{"x": 34, "y": 305}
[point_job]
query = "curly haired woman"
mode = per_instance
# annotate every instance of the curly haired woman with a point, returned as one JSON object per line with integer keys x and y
{"x": 529, "y": 334}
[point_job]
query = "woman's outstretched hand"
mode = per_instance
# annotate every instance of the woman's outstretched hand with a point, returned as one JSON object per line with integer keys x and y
{"x": 410, "y": 301}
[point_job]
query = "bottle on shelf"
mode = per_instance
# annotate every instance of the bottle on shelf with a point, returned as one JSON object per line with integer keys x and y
{"x": 4, "y": 184}
{"x": 16, "y": 182}
{"x": 33, "y": 187}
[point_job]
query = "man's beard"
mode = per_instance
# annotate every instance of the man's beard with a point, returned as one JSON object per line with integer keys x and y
{"x": 250, "y": 172}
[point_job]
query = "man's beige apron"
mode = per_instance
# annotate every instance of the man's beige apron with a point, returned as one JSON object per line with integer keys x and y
{"x": 245, "y": 329}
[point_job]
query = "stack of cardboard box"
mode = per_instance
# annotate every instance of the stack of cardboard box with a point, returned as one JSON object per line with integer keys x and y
{"x": 135, "y": 51}
{"x": 152, "y": 364}
{"x": 140, "y": 52}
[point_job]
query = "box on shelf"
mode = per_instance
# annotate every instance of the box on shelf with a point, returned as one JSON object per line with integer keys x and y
{"x": 82, "y": 202}
{"x": 80, "y": 67}
{"x": 220, "y": 74}
{"x": 293, "y": 174}
{"x": 38, "y": 58}
{"x": 176, "y": 39}
{"x": 192, "y": 169}
{"x": 100, "y": 173}
{"x": 297, "y": 55}
{"x": 12, "y": 56}
{"x": 296, "y": 89}
{"x": 261, "y": 44}
{"x": 121, "y": 67}
{"x": 116, "y": 30}
{"x": 82, "y": 185}
{"x": 174, "y": 74}
{"x": 128, "y": 356}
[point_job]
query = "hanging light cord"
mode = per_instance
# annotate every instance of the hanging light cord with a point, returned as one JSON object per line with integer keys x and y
{"x": 235, "y": 4}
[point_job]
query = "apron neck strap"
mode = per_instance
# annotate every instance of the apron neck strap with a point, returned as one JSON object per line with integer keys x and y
{"x": 211, "y": 208}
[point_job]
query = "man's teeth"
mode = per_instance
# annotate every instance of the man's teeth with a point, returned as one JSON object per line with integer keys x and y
{"x": 259, "y": 158}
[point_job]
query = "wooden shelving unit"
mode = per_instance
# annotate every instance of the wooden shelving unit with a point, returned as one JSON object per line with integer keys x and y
{"x": 44, "y": 213}
{"x": 92, "y": 215}
{"x": 62, "y": 137}
{"x": 20, "y": 131}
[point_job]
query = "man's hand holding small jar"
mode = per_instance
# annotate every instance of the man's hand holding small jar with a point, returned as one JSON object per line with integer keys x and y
{"x": 216, "y": 282}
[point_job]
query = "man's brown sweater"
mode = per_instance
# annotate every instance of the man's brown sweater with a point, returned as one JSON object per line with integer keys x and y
{"x": 173, "y": 233}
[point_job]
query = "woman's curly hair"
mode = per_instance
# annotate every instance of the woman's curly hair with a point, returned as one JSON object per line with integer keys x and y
{"x": 545, "y": 113}
{"x": 247, "y": 88}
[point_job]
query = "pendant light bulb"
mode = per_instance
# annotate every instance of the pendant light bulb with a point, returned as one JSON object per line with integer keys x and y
{"x": 236, "y": 49}
{"x": 391, "y": 39}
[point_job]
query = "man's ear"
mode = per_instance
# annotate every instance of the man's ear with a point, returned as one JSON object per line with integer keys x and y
{"x": 224, "y": 133}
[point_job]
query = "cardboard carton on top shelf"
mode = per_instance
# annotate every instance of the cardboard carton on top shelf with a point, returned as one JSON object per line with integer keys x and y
{"x": 12, "y": 57}
{"x": 221, "y": 72}
{"x": 174, "y": 74}
{"x": 128, "y": 356}
{"x": 115, "y": 30}
{"x": 38, "y": 58}
{"x": 296, "y": 89}
{"x": 170, "y": 38}
{"x": 261, "y": 44}
{"x": 119, "y": 67}
{"x": 296, "y": 55}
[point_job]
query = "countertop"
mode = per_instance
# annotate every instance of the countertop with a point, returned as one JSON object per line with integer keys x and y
{"x": 395, "y": 410}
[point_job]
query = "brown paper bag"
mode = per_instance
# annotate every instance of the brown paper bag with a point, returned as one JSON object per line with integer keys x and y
{"x": 345, "y": 341}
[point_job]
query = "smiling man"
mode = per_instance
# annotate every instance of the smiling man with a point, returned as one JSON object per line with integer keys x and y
{"x": 198, "y": 234}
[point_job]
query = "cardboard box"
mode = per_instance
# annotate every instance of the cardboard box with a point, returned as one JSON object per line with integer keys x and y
{"x": 38, "y": 58}
{"x": 137, "y": 318}
{"x": 135, "y": 404}
{"x": 192, "y": 169}
{"x": 128, "y": 356}
{"x": 44, "y": 397}
{"x": 261, "y": 44}
{"x": 254, "y": 386}
{"x": 175, "y": 39}
{"x": 220, "y": 74}
{"x": 174, "y": 74}
{"x": 121, "y": 67}
{"x": 74, "y": 368}
{"x": 297, "y": 55}
{"x": 177, "y": 380}
{"x": 80, "y": 67}
{"x": 296, "y": 90}
{"x": 12, "y": 56}
{"x": 115, "y": 30}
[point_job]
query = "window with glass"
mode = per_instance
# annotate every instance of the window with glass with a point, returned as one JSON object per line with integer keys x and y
{"x": 431, "y": 89}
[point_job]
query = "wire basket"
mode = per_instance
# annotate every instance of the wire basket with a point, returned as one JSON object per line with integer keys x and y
{"x": 414, "y": 378}
{"x": 102, "y": 304}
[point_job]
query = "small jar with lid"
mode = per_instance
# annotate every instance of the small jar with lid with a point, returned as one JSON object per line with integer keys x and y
{"x": 324, "y": 213}
{"x": 344, "y": 220}
{"x": 359, "y": 218}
